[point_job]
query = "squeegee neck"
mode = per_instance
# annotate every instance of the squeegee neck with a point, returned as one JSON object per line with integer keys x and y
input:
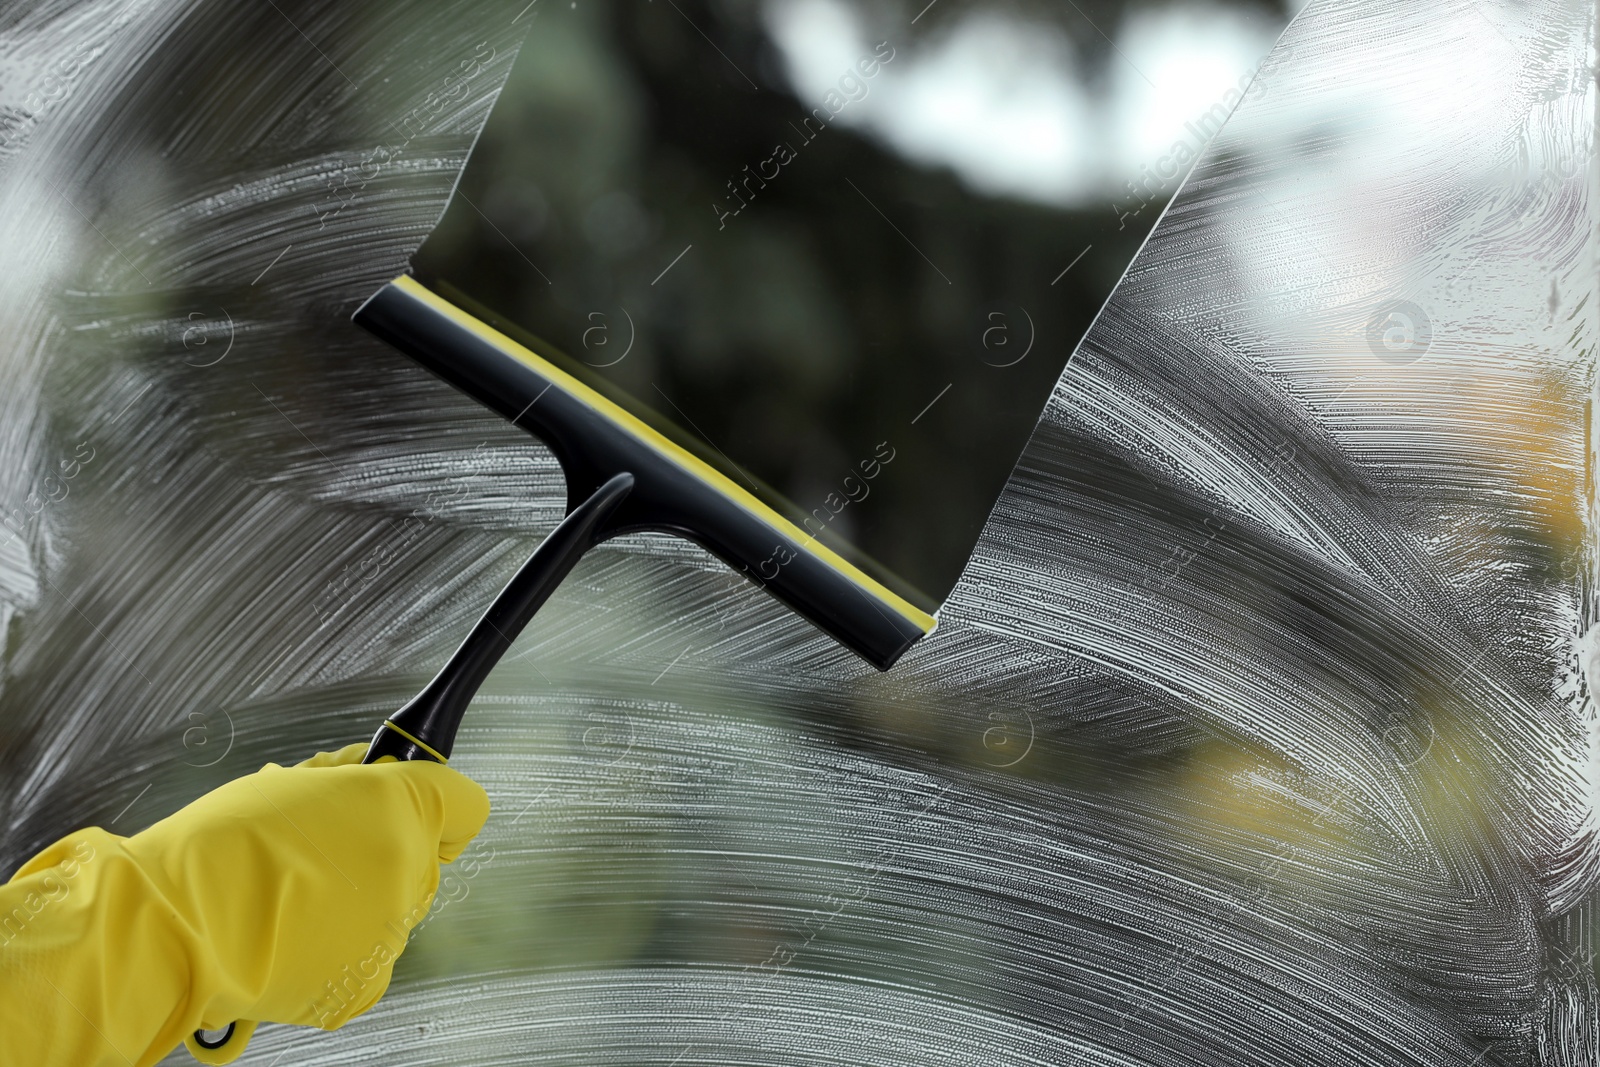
{"x": 426, "y": 727}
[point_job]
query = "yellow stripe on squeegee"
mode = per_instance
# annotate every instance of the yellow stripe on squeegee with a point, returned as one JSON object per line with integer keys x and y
{"x": 674, "y": 452}
{"x": 429, "y": 749}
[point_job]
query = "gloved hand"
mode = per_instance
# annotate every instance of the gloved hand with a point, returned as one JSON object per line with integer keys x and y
{"x": 285, "y": 895}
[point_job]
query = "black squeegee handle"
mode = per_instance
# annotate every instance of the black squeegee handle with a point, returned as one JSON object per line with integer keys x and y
{"x": 674, "y": 492}
{"x": 425, "y": 728}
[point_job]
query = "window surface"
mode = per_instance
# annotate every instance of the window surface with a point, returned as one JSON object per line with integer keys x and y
{"x": 1255, "y": 728}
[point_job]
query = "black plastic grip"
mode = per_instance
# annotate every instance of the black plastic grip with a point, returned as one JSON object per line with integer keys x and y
{"x": 425, "y": 728}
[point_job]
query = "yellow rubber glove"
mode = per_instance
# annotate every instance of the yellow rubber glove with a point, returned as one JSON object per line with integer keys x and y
{"x": 285, "y": 895}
